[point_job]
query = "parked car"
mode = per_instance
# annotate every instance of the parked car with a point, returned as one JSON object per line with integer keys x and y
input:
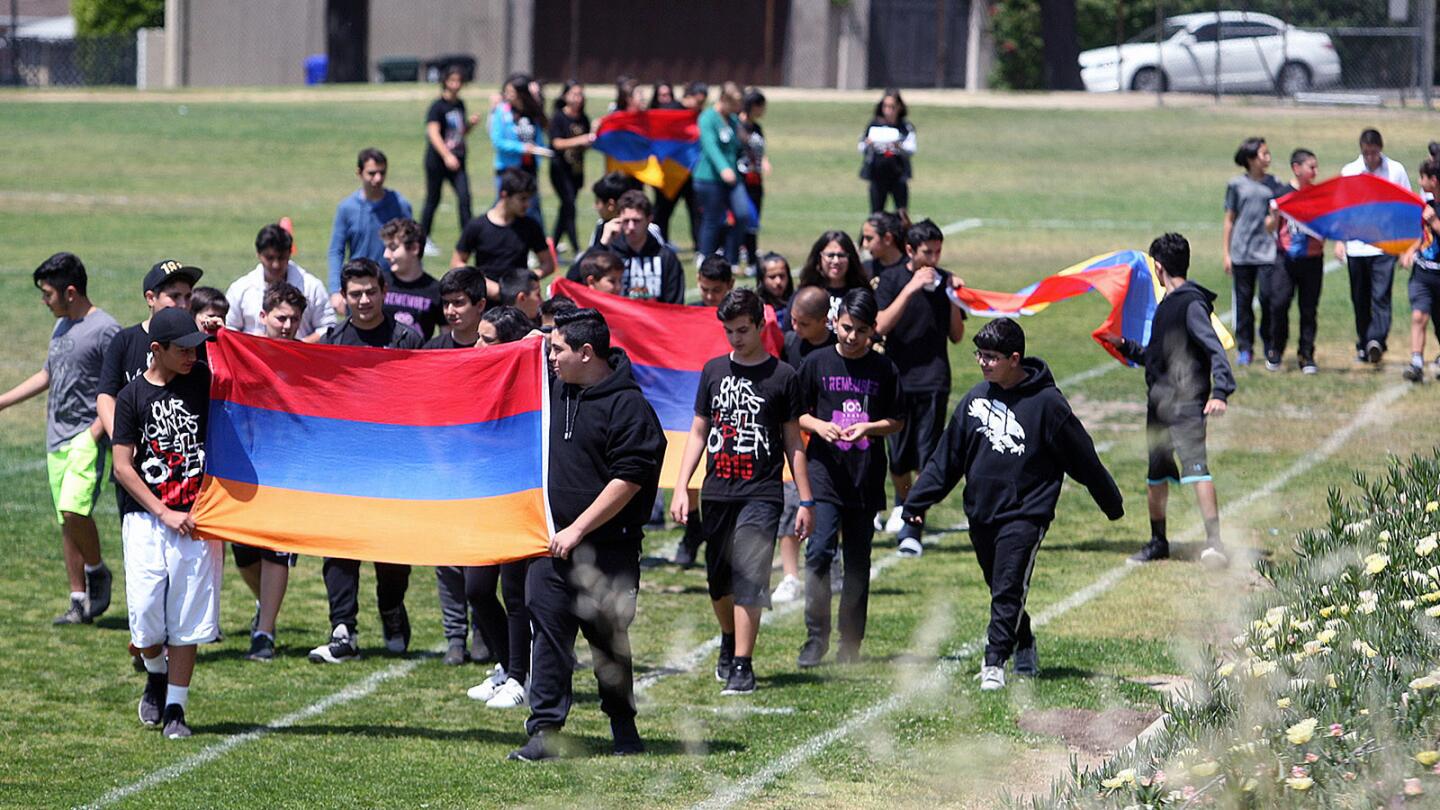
{"x": 1256, "y": 53}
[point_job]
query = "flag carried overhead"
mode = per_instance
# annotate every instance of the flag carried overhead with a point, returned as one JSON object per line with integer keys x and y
{"x": 656, "y": 147}
{"x": 1359, "y": 207}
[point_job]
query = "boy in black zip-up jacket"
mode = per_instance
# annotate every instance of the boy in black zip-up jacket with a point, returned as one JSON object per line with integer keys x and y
{"x": 606, "y": 447}
{"x": 1183, "y": 356}
{"x": 1015, "y": 438}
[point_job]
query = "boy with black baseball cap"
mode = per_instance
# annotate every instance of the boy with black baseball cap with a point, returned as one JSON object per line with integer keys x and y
{"x": 172, "y": 579}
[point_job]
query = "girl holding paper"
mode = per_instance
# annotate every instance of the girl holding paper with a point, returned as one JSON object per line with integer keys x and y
{"x": 886, "y": 147}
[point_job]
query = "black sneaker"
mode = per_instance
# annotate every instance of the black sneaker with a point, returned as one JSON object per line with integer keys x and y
{"x": 1373, "y": 352}
{"x": 536, "y": 749}
{"x": 395, "y": 623}
{"x": 97, "y": 588}
{"x": 175, "y": 726}
{"x": 262, "y": 648}
{"x": 726, "y": 658}
{"x": 455, "y": 655}
{"x": 812, "y": 653}
{"x": 152, "y": 700}
{"x": 627, "y": 738}
{"x": 742, "y": 681}
{"x": 79, "y": 612}
{"x": 1413, "y": 373}
{"x": 342, "y": 647}
{"x": 1156, "y": 549}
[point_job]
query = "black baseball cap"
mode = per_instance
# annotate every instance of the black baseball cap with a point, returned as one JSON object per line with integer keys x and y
{"x": 176, "y": 327}
{"x": 166, "y": 269}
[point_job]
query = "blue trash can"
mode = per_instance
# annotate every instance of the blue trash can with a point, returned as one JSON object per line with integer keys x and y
{"x": 316, "y": 66}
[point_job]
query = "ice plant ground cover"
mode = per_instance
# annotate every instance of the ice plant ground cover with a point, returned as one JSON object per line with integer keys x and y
{"x": 1331, "y": 695}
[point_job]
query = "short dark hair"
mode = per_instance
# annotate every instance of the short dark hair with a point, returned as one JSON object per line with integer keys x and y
{"x": 888, "y": 224}
{"x": 741, "y": 303}
{"x": 360, "y": 268}
{"x": 1248, "y": 151}
{"x": 370, "y": 153}
{"x": 407, "y": 230}
{"x": 556, "y": 304}
{"x": 510, "y": 323}
{"x": 62, "y": 271}
{"x": 635, "y": 200}
{"x": 1371, "y": 137}
{"x": 599, "y": 262}
{"x": 203, "y": 298}
{"x": 1300, "y": 156}
{"x": 282, "y": 293}
{"x": 923, "y": 231}
{"x": 1001, "y": 335}
{"x": 1172, "y": 251}
{"x": 514, "y": 281}
{"x": 514, "y": 181}
{"x": 715, "y": 268}
{"x": 860, "y": 305}
{"x": 467, "y": 280}
{"x": 1430, "y": 167}
{"x": 611, "y": 186}
{"x": 273, "y": 236}
{"x": 697, "y": 89}
{"x": 581, "y": 326}
{"x": 753, "y": 98}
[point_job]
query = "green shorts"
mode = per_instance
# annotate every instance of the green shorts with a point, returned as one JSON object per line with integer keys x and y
{"x": 76, "y": 471}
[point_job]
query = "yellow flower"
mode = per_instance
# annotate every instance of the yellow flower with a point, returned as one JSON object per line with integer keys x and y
{"x": 1249, "y": 784}
{"x": 1424, "y": 682}
{"x": 1205, "y": 769}
{"x": 1283, "y": 703}
{"x": 1433, "y": 596}
{"x": 1368, "y": 602}
{"x": 1428, "y": 758}
{"x": 1274, "y": 615}
{"x": 1299, "y": 782}
{"x": 1385, "y": 536}
{"x": 1225, "y": 669}
{"x": 1326, "y": 611}
{"x": 1325, "y": 636}
{"x": 1432, "y": 611}
{"x": 1301, "y": 732}
{"x": 1261, "y": 667}
{"x": 1431, "y": 506}
{"x": 1331, "y": 682}
{"x": 1359, "y": 645}
{"x": 1125, "y": 777}
{"x": 1406, "y": 604}
{"x": 1375, "y": 563}
{"x": 1426, "y": 545}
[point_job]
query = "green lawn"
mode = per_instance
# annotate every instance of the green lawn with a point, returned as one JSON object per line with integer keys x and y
{"x": 125, "y": 184}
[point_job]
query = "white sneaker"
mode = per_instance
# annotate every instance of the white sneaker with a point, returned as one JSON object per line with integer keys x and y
{"x": 510, "y": 695}
{"x": 431, "y": 249}
{"x": 788, "y": 590}
{"x": 911, "y": 547}
{"x": 991, "y": 678}
{"x": 486, "y": 688}
{"x": 895, "y": 522}
{"x": 1213, "y": 557}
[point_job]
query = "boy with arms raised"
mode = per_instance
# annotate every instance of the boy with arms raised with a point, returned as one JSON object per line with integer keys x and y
{"x": 74, "y": 436}
{"x": 747, "y": 411}
{"x": 852, "y": 399}
{"x": 1015, "y": 438}
{"x": 917, "y": 319}
{"x": 605, "y": 447}
{"x": 172, "y": 579}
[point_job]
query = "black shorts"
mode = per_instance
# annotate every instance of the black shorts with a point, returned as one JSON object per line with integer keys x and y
{"x": 1182, "y": 435}
{"x": 1424, "y": 290}
{"x": 246, "y": 556}
{"x": 739, "y": 546}
{"x": 911, "y": 446}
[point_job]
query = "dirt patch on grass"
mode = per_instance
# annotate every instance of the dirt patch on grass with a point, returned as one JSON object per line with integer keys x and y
{"x": 1099, "y": 733}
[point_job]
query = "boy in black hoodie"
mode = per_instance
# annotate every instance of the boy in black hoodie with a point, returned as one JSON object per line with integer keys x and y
{"x": 1015, "y": 438}
{"x": 606, "y": 447}
{"x": 1183, "y": 355}
{"x": 651, "y": 269}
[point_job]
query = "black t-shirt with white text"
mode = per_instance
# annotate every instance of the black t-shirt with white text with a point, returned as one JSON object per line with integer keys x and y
{"x": 415, "y": 304}
{"x": 919, "y": 342}
{"x": 747, "y": 407}
{"x": 495, "y": 249}
{"x": 390, "y": 334}
{"x": 166, "y": 426}
{"x": 845, "y": 391}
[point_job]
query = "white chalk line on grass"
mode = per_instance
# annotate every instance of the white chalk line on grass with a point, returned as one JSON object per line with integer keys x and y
{"x": 951, "y": 664}
{"x": 961, "y": 225}
{"x": 356, "y": 691}
{"x": 33, "y": 465}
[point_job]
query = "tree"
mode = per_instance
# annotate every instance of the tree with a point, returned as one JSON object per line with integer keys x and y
{"x": 108, "y": 17}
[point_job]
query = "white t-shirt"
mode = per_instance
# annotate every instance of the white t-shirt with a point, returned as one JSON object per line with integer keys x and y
{"x": 1389, "y": 170}
{"x": 247, "y": 299}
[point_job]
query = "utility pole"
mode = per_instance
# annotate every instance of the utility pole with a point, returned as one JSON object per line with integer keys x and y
{"x": 14, "y": 43}
{"x": 1427, "y": 51}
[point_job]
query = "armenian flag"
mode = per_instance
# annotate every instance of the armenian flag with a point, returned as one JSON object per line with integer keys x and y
{"x": 418, "y": 457}
{"x": 668, "y": 345}
{"x": 1126, "y": 278}
{"x": 1361, "y": 207}
{"x": 656, "y": 147}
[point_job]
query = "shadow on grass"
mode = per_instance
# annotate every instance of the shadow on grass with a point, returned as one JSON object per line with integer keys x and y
{"x": 581, "y": 746}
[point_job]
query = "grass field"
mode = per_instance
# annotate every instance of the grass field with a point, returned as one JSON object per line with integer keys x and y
{"x": 124, "y": 183}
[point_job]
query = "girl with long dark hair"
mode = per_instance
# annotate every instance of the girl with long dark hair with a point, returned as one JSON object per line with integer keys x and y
{"x": 517, "y": 131}
{"x": 446, "y": 125}
{"x": 570, "y": 136}
{"x": 834, "y": 265}
{"x": 886, "y": 146}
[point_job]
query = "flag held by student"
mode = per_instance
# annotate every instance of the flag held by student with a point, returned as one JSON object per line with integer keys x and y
{"x": 656, "y": 147}
{"x": 1125, "y": 278}
{"x": 1361, "y": 207}
{"x": 425, "y": 458}
{"x": 668, "y": 345}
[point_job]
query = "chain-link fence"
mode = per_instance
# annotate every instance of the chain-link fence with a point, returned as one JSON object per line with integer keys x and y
{"x": 68, "y": 62}
{"x": 1327, "y": 50}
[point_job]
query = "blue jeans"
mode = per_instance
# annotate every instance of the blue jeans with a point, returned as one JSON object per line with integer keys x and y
{"x": 715, "y": 200}
{"x": 849, "y": 530}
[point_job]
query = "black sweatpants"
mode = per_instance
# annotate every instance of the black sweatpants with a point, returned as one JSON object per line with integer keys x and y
{"x": 592, "y": 593}
{"x": 342, "y": 586}
{"x": 1306, "y": 276}
{"x": 1372, "y": 279}
{"x": 1006, "y": 552}
{"x": 851, "y": 532}
{"x": 566, "y": 185}
{"x": 436, "y": 175}
{"x": 506, "y": 630}
{"x": 752, "y": 236}
{"x": 887, "y": 179}
{"x": 1251, "y": 279}
{"x": 665, "y": 208}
